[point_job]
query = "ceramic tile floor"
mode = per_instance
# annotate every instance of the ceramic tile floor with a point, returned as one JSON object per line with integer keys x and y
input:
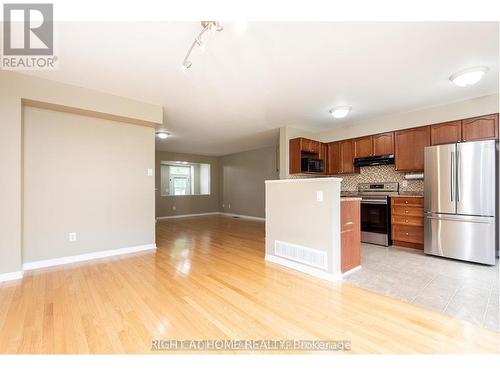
{"x": 464, "y": 290}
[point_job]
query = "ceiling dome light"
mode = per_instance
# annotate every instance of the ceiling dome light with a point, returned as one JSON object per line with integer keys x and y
{"x": 468, "y": 77}
{"x": 341, "y": 111}
{"x": 162, "y": 134}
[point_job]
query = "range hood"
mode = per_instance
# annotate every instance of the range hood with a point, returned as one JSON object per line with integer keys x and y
{"x": 374, "y": 160}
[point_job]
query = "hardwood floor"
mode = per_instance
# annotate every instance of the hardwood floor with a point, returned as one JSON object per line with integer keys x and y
{"x": 208, "y": 280}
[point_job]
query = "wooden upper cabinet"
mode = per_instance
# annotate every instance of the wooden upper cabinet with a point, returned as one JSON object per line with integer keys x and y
{"x": 410, "y": 144}
{"x": 363, "y": 147}
{"x": 446, "y": 132}
{"x": 303, "y": 147}
{"x": 310, "y": 146}
{"x": 294, "y": 157}
{"x": 347, "y": 157}
{"x": 478, "y": 128}
{"x": 374, "y": 145}
{"x": 340, "y": 158}
{"x": 333, "y": 165}
{"x": 383, "y": 144}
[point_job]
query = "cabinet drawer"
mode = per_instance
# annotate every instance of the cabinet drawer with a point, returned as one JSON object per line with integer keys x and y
{"x": 408, "y": 201}
{"x": 408, "y": 233}
{"x": 408, "y": 220}
{"x": 408, "y": 211}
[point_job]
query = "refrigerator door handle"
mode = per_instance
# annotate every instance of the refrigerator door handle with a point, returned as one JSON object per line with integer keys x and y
{"x": 458, "y": 182}
{"x": 452, "y": 176}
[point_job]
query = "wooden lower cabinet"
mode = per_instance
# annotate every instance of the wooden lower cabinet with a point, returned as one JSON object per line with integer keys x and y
{"x": 407, "y": 220}
{"x": 350, "y": 234}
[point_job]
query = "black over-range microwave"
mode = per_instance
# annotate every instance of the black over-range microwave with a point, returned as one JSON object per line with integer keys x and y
{"x": 312, "y": 165}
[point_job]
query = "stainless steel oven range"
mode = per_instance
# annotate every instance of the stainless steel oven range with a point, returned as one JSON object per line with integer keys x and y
{"x": 376, "y": 211}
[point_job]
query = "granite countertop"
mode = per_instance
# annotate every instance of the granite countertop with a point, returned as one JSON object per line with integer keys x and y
{"x": 411, "y": 194}
{"x": 355, "y": 194}
{"x": 346, "y": 199}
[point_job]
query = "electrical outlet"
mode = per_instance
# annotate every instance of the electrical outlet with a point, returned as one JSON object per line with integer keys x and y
{"x": 229, "y": 205}
{"x": 150, "y": 172}
{"x": 405, "y": 183}
{"x": 223, "y": 205}
{"x": 72, "y": 236}
{"x": 174, "y": 208}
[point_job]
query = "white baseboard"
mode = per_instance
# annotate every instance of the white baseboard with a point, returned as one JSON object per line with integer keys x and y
{"x": 188, "y": 215}
{"x": 243, "y": 216}
{"x": 86, "y": 256}
{"x": 11, "y": 276}
{"x": 211, "y": 213}
{"x": 351, "y": 271}
{"x": 303, "y": 268}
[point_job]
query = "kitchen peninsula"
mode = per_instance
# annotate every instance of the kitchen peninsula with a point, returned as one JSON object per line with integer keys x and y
{"x": 310, "y": 228}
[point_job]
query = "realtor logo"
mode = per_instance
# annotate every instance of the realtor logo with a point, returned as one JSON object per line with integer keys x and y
{"x": 28, "y": 37}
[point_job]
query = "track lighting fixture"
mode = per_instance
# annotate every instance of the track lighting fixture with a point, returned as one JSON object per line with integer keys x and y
{"x": 198, "y": 41}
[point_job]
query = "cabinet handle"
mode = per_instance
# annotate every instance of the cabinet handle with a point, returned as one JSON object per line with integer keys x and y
{"x": 406, "y": 211}
{"x": 407, "y": 234}
{"x": 406, "y": 220}
{"x": 406, "y": 202}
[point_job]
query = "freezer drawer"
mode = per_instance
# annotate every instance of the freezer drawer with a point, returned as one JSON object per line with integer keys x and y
{"x": 468, "y": 238}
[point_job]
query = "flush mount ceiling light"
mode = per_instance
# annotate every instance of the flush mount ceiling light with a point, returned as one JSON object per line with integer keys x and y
{"x": 162, "y": 134}
{"x": 198, "y": 41}
{"x": 468, "y": 77}
{"x": 340, "y": 111}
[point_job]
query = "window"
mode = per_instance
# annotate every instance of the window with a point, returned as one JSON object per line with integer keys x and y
{"x": 184, "y": 178}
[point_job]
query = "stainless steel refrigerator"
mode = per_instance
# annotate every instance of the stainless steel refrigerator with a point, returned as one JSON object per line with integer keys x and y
{"x": 460, "y": 201}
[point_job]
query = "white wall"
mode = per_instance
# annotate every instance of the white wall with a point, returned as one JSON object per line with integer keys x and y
{"x": 293, "y": 215}
{"x": 88, "y": 176}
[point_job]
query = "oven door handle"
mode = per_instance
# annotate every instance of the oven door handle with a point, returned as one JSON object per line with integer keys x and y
{"x": 373, "y": 201}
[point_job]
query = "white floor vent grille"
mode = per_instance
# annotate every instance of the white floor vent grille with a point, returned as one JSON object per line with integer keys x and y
{"x": 301, "y": 254}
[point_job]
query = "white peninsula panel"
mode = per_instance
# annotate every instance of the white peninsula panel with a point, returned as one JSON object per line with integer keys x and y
{"x": 303, "y": 225}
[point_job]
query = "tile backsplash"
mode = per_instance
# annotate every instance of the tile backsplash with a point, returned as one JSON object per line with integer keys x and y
{"x": 379, "y": 173}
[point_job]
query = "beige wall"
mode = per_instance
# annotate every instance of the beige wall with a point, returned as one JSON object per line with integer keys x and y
{"x": 10, "y": 184}
{"x": 88, "y": 176}
{"x": 190, "y": 204}
{"x": 236, "y": 180}
{"x": 42, "y": 90}
{"x": 451, "y": 111}
{"x": 14, "y": 88}
{"x": 242, "y": 177}
{"x": 293, "y": 215}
